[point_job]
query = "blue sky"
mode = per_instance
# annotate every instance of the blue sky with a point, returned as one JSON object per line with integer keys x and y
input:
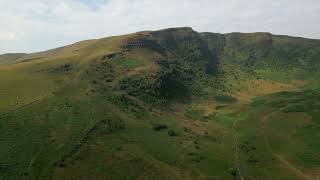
{"x": 36, "y": 25}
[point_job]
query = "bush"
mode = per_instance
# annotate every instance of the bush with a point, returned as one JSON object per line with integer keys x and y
{"x": 232, "y": 171}
{"x": 172, "y": 133}
{"x": 61, "y": 69}
{"x": 158, "y": 127}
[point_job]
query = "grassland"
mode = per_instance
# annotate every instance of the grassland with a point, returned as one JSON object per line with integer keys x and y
{"x": 181, "y": 105}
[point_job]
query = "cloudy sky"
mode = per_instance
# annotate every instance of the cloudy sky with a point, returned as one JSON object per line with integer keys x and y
{"x": 35, "y": 25}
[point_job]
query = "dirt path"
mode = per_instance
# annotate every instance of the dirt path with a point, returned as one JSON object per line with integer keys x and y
{"x": 21, "y": 107}
{"x": 24, "y": 105}
{"x": 286, "y": 163}
{"x": 236, "y": 142}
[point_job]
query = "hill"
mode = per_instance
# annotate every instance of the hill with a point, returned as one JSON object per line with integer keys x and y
{"x": 167, "y": 104}
{"x": 7, "y": 58}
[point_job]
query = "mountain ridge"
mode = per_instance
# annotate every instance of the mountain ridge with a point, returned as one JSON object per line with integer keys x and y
{"x": 175, "y": 28}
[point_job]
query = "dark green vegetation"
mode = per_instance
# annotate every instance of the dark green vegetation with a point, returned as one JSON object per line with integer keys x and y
{"x": 169, "y": 104}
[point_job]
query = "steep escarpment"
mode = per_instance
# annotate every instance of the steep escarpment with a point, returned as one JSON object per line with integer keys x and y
{"x": 178, "y": 63}
{"x": 264, "y": 50}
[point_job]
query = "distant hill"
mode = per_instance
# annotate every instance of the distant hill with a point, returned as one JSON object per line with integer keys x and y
{"x": 167, "y": 104}
{"x": 7, "y": 58}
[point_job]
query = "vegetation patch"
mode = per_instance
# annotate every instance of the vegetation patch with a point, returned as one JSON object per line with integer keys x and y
{"x": 129, "y": 63}
{"x": 167, "y": 84}
{"x": 60, "y": 69}
{"x": 159, "y": 127}
{"x": 293, "y": 108}
{"x": 172, "y": 133}
{"x": 126, "y": 104}
{"x": 194, "y": 112}
{"x": 225, "y": 98}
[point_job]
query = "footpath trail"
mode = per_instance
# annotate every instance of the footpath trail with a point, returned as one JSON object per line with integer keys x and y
{"x": 236, "y": 142}
{"x": 20, "y": 107}
{"x": 282, "y": 160}
{"x": 17, "y": 108}
{"x": 25, "y": 105}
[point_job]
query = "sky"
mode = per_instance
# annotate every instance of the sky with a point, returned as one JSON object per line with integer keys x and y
{"x": 37, "y": 25}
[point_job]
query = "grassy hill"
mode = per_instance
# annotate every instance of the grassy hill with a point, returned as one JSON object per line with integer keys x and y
{"x": 7, "y": 58}
{"x": 168, "y": 104}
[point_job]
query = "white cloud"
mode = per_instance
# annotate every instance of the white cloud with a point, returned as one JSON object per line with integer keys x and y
{"x": 34, "y": 25}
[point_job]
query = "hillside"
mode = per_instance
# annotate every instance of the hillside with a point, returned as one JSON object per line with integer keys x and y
{"x": 167, "y": 104}
{"x": 7, "y": 58}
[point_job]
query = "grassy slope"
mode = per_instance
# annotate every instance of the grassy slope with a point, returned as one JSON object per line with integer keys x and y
{"x": 289, "y": 122}
{"x": 7, "y": 58}
{"x": 64, "y": 110}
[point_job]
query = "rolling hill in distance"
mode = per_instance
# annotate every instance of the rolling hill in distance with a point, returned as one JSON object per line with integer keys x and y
{"x": 167, "y": 104}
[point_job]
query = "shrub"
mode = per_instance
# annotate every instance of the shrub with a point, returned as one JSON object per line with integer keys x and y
{"x": 232, "y": 171}
{"x": 158, "y": 127}
{"x": 61, "y": 69}
{"x": 172, "y": 133}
